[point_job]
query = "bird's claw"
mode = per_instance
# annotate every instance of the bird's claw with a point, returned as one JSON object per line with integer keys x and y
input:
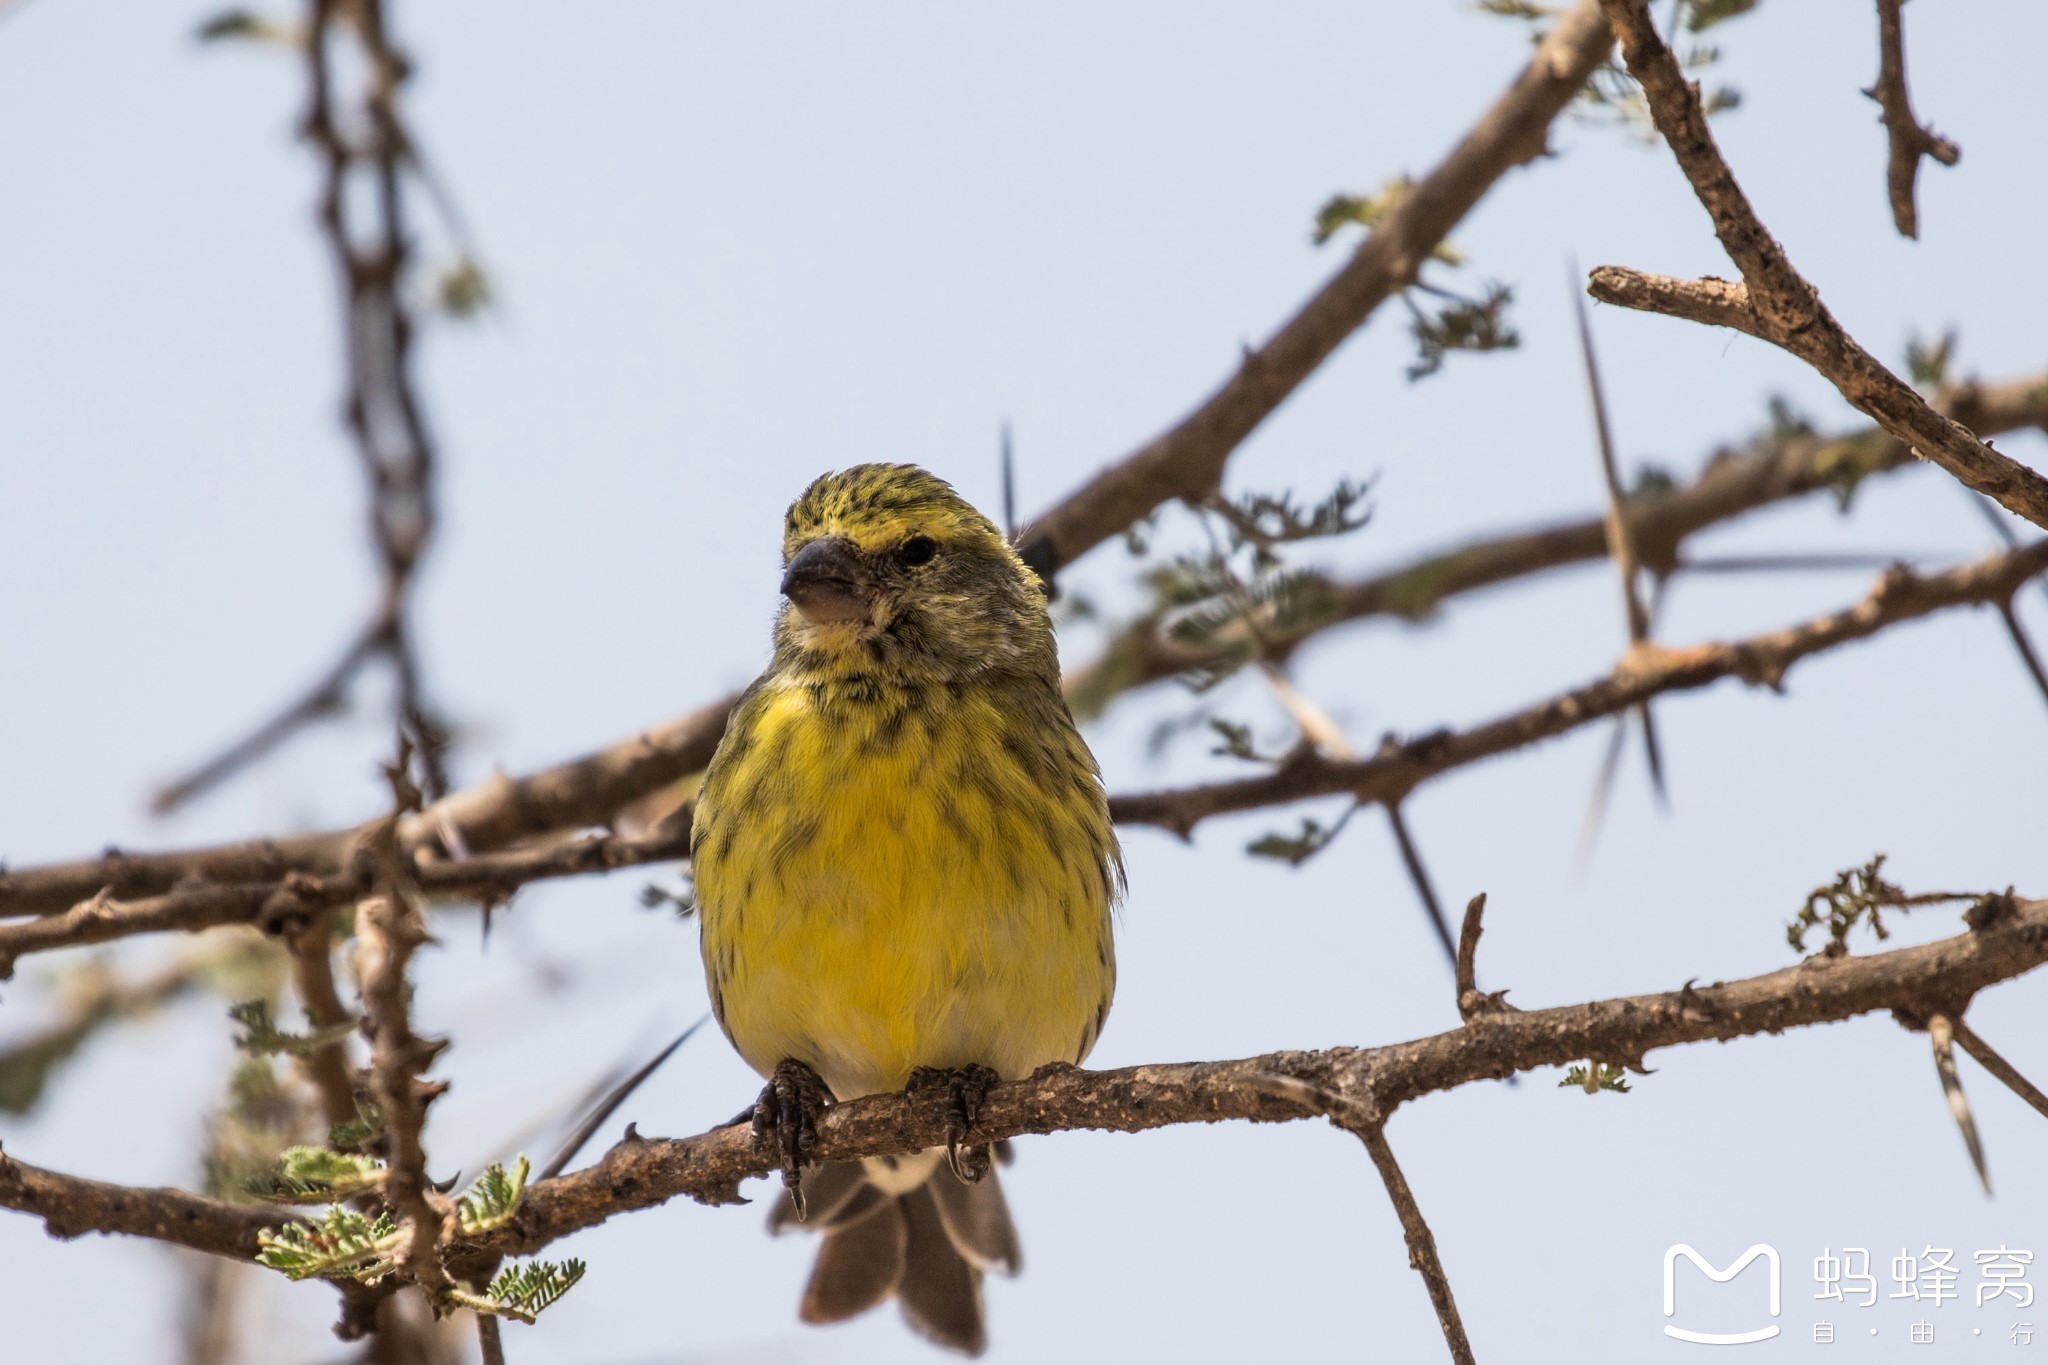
{"x": 786, "y": 1116}
{"x": 966, "y": 1087}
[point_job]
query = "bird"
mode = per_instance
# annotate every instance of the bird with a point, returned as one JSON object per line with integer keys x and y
{"x": 905, "y": 875}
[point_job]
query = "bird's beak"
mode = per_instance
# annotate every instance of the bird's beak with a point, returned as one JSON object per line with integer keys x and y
{"x": 827, "y": 582}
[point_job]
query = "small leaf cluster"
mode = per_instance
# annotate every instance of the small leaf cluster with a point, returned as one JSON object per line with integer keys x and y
{"x": 1462, "y": 324}
{"x": 315, "y": 1175}
{"x": 347, "y": 1243}
{"x": 1340, "y": 211}
{"x": 1615, "y": 92}
{"x": 494, "y": 1198}
{"x": 1296, "y": 849}
{"x": 344, "y": 1244}
{"x": 1608, "y": 1078}
{"x": 1855, "y": 895}
{"x": 522, "y": 1292}
{"x": 682, "y": 899}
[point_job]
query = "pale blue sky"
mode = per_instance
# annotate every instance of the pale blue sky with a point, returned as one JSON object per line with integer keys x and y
{"x": 739, "y": 245}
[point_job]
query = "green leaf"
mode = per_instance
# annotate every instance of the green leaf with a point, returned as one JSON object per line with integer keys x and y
{"x": 1340, "y": 211}
{"x": 1610, "y": 1078}
{"x": 314, "y": 1175}
{"x": 1236, "y": 741}
{"x": 1856, "y": 895}
{"x": 357, "y": 1132}
{"x": 524, "y": 1291}
{"x": 494, "y": 1198}
{"x": 1296, "y": 849}
{"x": 345, "y": 1243}
{"x": 1462, "y": 325}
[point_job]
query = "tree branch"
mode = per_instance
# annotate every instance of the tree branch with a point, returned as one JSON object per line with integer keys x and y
{"x": 1187, "y": 460}
{"x": 327, "y": 1067}
{"x": 380, "y": 404}
{"x": 1788, "y": 312}
{"x": 285, "y": 906}
{"x": 1910, "y": 139}
{"x": 388, "y": 930}
{"x": 71, "y": 1206}
{"x": 1399, "y": 767}
{"x": 1387, "y": 776}
{"x": 640, "y": 1172}
{"x": 1939, "y": 977}
{"x": 1731, "y": 484}
{"x": 1422, "y": 1253}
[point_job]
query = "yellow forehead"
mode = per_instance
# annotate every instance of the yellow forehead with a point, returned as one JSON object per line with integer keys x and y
{"x": 880, "y": 505}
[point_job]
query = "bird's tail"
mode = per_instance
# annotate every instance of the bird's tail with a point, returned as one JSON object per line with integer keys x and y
{"x": 907, "y": 1227}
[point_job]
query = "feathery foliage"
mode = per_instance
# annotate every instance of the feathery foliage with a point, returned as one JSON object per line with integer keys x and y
{"x": 523, "y": 1292}
{"x": 1462, "y": 324}
{"x": 494, "y": 1198}
{"x": 1606, "y": 1078}
{"x": 313, "y": 1175}
{"x": 344, "y": 1244}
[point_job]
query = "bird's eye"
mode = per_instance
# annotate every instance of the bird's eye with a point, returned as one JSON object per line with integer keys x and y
{"x": 917, "y": 550}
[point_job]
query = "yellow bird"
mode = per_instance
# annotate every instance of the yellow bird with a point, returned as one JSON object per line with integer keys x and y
{"x": 905, "y": 870}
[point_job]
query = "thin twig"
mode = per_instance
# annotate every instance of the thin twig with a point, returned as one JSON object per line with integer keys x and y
{"x": 1422, "y": 1253}
{"x": 372, "y": 256}
{"x": 490, "y": 1342}
{"x": 1763, "y": 660}
{"x": 1419, "y": 875}
{"x": 2028, "y": 658}
{"x": 1909, "y": 138}
{"x": 1187, "y": 460}
{"x": 1467, "y": 971}
{"x": 1783, "y": 306}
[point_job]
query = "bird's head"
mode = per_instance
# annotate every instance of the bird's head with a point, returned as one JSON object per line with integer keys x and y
{"x": 886, "y": 568}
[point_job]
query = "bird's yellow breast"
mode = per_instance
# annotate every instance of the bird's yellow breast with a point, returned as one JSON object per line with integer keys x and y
{"x": 892, "y": 877}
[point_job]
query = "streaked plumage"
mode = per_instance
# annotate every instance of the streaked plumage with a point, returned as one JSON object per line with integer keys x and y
{"x": 904, "y": 859}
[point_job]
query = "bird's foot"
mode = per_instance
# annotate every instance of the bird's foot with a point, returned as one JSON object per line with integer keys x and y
{"x": 966, "y": 1087}
{"x": 786, "y": 1118}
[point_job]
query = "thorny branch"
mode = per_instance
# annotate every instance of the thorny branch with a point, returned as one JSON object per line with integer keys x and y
{"x": 1910, "y": 139}
{"x": 388, "y": 930}
{"x": 1400, "y": 766}
{"x": 1732, "y": 484}
{"x": 1940, "y": 977}
{"x": 1187, "y": 461}
{"x": 1784, "y": 308}
{"x": 456, "y": 845}
{"x": 369, "y": 147}
{"x": 1386, "y": 777}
